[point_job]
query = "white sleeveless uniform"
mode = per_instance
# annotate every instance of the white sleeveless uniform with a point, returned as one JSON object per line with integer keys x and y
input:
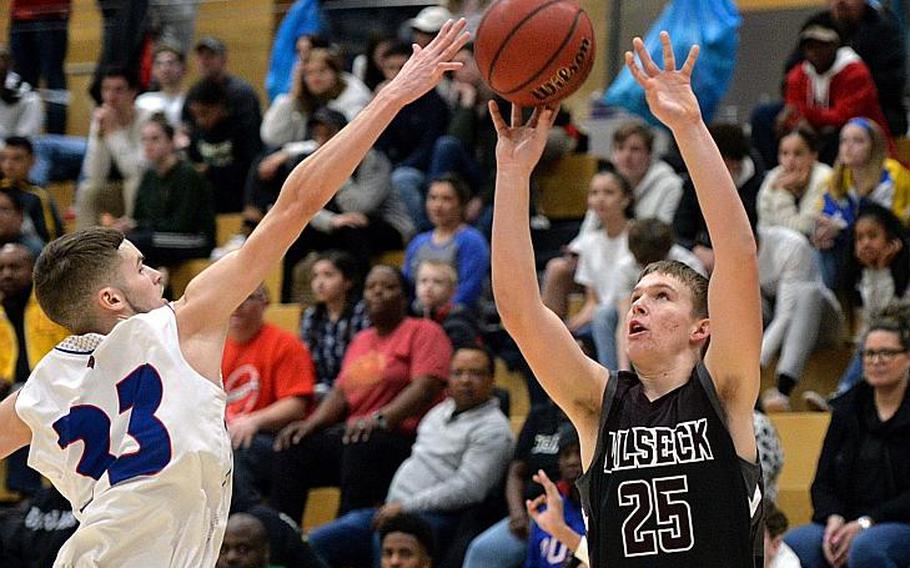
{"x": 135, "y": 439}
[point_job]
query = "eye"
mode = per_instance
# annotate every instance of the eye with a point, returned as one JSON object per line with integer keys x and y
{"x": 663, "y": 296}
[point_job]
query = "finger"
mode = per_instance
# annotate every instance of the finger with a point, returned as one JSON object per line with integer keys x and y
{"x": 535, "y": 117}
{"x": 516, "y": 115}
{"x": 498, "y": 122}
{"x": 690, "y": 61}
{"x": 669, "y": 56}
{"x": 442, "y": 37}
{"x": 636, "y": 71}
{"x": 457, "y": 45}
{"x": 649, "y": 66}
{"x": 449, "y": 66}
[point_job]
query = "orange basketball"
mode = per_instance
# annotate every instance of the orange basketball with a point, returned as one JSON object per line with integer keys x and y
{"x": 534, "y": 52}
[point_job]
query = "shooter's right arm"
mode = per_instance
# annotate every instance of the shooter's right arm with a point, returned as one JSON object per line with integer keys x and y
{"x": 15, "y": 432}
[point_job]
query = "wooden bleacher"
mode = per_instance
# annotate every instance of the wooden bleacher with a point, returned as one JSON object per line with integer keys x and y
{"x": 562, "y": 186}
{"x": 801, "y": 435}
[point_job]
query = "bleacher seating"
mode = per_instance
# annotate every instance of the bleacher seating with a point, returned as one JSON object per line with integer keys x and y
{"x": 801, "y": 435}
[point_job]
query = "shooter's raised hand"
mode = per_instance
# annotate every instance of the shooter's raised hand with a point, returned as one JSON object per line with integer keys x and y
{"x": 668, "y": 90}
{"x": 427, "y": 65}
{"x": 521, "y": 145}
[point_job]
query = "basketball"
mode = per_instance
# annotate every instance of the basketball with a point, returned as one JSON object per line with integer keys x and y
{"x": 534, "y": 52}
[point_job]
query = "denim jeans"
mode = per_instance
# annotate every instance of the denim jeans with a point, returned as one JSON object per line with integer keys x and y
{"x": 450, "y": 155}
{"x": 496, "y": 546}
{"x": 886, "y": 545}
{"x": 603, "y": 328}
{"x": 411, "y": 185}
{"x": 57, "y": 158}
{"x": 351, "y": 541}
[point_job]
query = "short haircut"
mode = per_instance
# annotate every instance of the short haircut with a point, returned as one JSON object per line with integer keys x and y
{"x": 20, "y": 142}
{"x": 775, "y": 520}
{"x": 402, "y": 281}
{"x": 121, "y": 72}
{"x": 71, "y": 269}
{"x": 170, "y": 47}
{"x": 695, "y": 282}
{"x": 160, "y": 120}
{"x": 208, "y": 92}
{"x": 442, "y": 265}
{"x": 399, "y": 48}
{"x": 413, "y": 525}
{"x": 15, "y": 200}
{"x": 730, "y": 140}
{"x": 462, "y": 191}
{"x": 491, "y": 358}
{"x": 650, "y": 240}
{"x": 634, "y": 128}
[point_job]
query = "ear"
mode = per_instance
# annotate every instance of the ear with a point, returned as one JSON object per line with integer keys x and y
{"x": 111, "y": 300}
{"x": 701, "y": 331}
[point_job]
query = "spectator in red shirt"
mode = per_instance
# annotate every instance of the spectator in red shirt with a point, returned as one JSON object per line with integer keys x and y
{"x": 392, "y": 373}
{"x": 829, "y": 88}
{"x": 269, "y": 378}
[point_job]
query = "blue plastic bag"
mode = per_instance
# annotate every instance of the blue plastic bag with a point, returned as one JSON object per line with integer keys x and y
{"x": 714, "y": 26}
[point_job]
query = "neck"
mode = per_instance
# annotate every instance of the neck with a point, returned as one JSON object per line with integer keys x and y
{"x": 666, "y": 375}
{"x": 614, "y": 224}
{"x": 442, "y": 231}
{"x": 635, "y": 180}
{"x": 466, "y": 407}
{"x": 387, "y": 325}
{"x": 165, "y": 164}
{"x": 20, "y": 296}
{"x": 889, "y": 398}
{"x": 334, "y": 308}
{"x": 172, "y": 90}
{"x": 867, "y": 175}
{"x": 244, "y": 334}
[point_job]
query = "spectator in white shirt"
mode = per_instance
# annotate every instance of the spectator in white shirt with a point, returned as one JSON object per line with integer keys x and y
{"x": 168, "y": 71}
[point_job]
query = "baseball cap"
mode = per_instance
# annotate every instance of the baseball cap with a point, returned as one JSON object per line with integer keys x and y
{"x": 211, "y": 43}
{"x": 430, "y": 19}
{"x": 818, "y": 32}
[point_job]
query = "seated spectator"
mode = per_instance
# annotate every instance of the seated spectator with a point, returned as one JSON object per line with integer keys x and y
{"x": 26, "y": 335}
{"x": 863, "y": 173}
{"x": 559, "y": 526}
{"x": 42, "y": 219}
{"x": 435, "y": 300}
{"x": 461, "y": 452}
{"x": 829, "y": 88}
{"x": 505, "y": 543}
{"x": 299, "y": 31}
{"x": 21, "y": 108}
{"x": 268, "y": 377}
{"x": 790, "y": 194}
{"x": 392, "y": 374}
{"x": 861, "y": 515}
{"x": 747, "y": 171}
{"x": 113, "y": 165}
{"x": 211, "y": 64}
{"x": 319, "y": 81}
{"x": 878, "y": 273}
{"x": 599, "y": 251}
{"x": 427, "y": 24}
{"x": 168, "y": 71}
{"x": 800, "y": 312}
{"x": 451, "y": 240}
{"x": 364, "y": 218}
{"x": 777, "y": 553}
{"x": 286, "y": 547}
{"x": 32, "y": 533}
{"x": 222, "y": 144}
{"x": 245, "y": 544}
{"x": 12, "y": 215}
{"x": 174, "y": 218}
{"x": 328, "y": 326}
{"x": 368, "y": 65}
{"x": 408, "y": 141}
{"x": 650, "y": 240}
{"x": 406, "y": 541}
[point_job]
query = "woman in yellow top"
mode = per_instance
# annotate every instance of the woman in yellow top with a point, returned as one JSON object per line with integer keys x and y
{"x": 863, "y": 172}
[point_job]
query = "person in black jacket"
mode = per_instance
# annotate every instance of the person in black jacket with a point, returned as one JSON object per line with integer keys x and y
{"x": 861, "y": 492}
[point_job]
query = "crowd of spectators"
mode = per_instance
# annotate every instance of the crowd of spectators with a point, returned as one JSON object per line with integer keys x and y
{"x": 386, "y": 390}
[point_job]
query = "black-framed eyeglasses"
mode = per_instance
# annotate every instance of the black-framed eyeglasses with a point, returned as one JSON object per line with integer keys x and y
{"x": 886, "y": 355}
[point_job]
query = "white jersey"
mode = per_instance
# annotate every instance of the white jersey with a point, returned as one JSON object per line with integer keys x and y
{"x": 135, "y": 439}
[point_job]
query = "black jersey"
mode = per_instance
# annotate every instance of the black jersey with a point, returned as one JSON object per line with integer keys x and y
{"x": 666, "y": 486}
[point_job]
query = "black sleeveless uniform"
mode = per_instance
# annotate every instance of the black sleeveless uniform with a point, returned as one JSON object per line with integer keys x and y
{"x": 666, "y": 486}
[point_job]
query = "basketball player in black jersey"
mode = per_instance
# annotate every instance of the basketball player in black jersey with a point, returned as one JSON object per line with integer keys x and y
{"x": 671, "y": 465}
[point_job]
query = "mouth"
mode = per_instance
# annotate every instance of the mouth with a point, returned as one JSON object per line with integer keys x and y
{"x": 636, "y": 328}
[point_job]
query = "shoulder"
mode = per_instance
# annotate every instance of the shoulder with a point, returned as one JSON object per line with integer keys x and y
{"x": 470, "y": 236}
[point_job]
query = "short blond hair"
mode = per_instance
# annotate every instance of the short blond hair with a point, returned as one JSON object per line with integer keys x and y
{"x": 446, "y": 268}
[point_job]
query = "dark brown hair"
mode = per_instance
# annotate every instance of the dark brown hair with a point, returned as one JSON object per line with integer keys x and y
{"x": 73, "y": 268}
{"x": 650, "y": 240}
{"x": 695, "y": 282}
{"x": 634, "y": 128}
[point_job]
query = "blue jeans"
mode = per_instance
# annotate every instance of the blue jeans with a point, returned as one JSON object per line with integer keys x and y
{"x": 57, "y": 158}
{"x": 350, "y": 540}
{"x": 853, "y": 374}
{"x": 496, "y": 546}
{"x": 410, "y": 183}
{"x": 603, "y": 328}
{"x": 252, "y": 472}
{"x": 882, "y": 546}
{"x": 450, "y": 155}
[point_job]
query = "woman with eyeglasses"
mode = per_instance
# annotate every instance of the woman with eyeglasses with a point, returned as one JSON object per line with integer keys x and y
{"x": 861, "y": 492}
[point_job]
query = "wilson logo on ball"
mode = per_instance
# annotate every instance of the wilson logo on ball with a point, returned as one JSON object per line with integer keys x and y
{"x": 561, "y": 78}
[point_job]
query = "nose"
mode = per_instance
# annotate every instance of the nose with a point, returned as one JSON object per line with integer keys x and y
{"x": 638, "y": 307}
